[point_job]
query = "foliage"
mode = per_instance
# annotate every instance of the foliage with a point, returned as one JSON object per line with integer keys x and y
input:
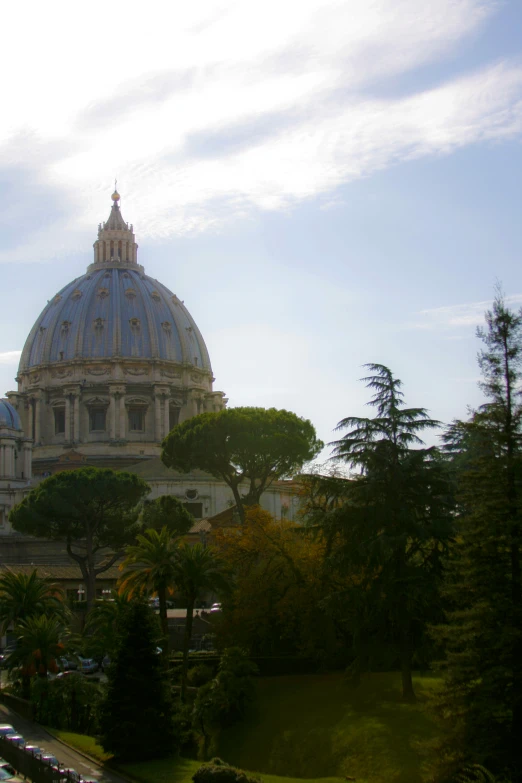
{"x": 26, "y": 595}
{"x": 136, "y": 715}
{"x": 217, "y": 771}
{"x": 236, "y": 445}
{"x": 90, "y": 509}
{"x": 66, "y": 703}
{"x": 389, "y": 528}
{"x": 166, "y": 511}
{"x": 102, "y": 625}
{"x": 199, "y": 675}
{"x": 481, "y": 704}
{"x": 473, "y": 773}
{"x": 151, "y": 566}
{"x": 41, "y": 640}
{"x": 197, "y": 569}
{"x": 223, "y": 700}
{"x": 274, "y": 607}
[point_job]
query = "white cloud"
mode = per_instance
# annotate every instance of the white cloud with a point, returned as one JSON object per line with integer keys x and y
{"x": 10, "y": 357}
{"x": 466, "y": 315}
{"x": 207, "y": 112}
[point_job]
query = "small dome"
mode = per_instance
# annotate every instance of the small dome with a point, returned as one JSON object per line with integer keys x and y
{"x": 9, "y": 416}
{"x": 115, "y": 196}
{"x": 115, "y": 312}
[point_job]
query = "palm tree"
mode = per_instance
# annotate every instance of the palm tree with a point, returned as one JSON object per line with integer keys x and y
{"x": 150, "y": 567}
{"x": 26, "y": 595}
{"x": 41, "y": 640}
{"x": 103, "y": 622}
{"x": 197, "y": 569}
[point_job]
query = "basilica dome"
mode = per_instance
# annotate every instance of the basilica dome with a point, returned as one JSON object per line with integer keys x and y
{"x": 112, "y": 363}
{"x": 114, "y": 312}
{"x": 9, "y": 417}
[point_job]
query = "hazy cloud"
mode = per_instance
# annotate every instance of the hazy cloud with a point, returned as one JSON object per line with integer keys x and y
{"x": 466, "y": 315}
{"x": 10, "y": 357}
{"x": 222, "y": 109}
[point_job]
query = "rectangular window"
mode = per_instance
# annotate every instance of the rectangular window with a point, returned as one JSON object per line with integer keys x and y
{"x": 196, "y": 509}
{"x": 173, "y": 417}
{"x": 59, "y": 421}
{"x": 97, "y": 419}
{"x": 136, "y": 419}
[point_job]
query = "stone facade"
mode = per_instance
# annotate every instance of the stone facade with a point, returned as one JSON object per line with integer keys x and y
{"x": 15, "y": 462}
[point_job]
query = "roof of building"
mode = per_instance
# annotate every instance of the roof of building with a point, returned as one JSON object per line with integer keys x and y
{"x": 155, "y": 468}
{"x": 115, "y": 310}
{"x": 9, "y": 416}
{"x": 202, "y": 526}
{"x": 59, "y": 572}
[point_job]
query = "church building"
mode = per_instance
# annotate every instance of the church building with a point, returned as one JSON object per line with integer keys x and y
{"x": 113, "y": 362}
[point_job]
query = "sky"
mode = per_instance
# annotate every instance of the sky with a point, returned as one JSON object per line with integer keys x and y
{"x": 324, "y": 184}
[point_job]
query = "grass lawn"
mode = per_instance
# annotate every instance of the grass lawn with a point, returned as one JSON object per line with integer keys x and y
{"x": 83, "y": 743}
{"x": 176, "y": 770}
{"x": 317, "y": 727}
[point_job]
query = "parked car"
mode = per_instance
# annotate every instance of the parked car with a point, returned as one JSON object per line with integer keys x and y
{"x": 106, "y": 662}
{"x": 34, "y": 749}
{"x": 4, "y": 656}
{"x": 67, "y": 663}
{"x": 12, "y": 778}
{"x": 71, "y": 774}
{"x": 48, "y": 758}
{"x": 16, "y": 739}
{"x": 215, "y": 608}
{"x": 87, "y": 665}
{"x": 6, "y": 728}
{"x": 5, "y": 765}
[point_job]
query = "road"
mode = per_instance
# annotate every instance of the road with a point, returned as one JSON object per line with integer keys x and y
{"x": 68, "y": 757}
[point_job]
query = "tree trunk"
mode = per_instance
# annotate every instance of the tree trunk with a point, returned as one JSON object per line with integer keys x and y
{"x": 88, "y": 574}
{"x": 162, "y": 595}
{"x": 186, "y": 644}
{"x": 408, "y": 694}
{"x": 239, "y": 504}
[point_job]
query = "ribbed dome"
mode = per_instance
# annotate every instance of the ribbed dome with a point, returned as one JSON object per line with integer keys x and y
{"x": 8, "y": 416}
{"x": 110, "y": 312}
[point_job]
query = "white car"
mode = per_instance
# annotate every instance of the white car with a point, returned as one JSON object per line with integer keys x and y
{"x": 6, "y": 728}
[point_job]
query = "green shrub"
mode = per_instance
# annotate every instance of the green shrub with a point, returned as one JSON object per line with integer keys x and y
{"x": 474, "y": 773}
{"x": 69, "y": 703}
{"x": 200, "y": 674}
{"x": 218, "y": 771}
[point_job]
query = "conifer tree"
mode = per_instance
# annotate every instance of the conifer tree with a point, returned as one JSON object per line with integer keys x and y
{"x": 136, "y": 717}
{"x": 482, "y": 698}
{"x": 394, "y": 524}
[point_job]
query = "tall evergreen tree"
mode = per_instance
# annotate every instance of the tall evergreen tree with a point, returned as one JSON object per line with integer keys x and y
{"x": 393, "y": 525}
{"x": 482, "y": 698}
{"x": 136, "y": 717}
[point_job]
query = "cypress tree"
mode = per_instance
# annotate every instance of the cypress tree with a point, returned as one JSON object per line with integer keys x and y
{"x": 136, "y": 717}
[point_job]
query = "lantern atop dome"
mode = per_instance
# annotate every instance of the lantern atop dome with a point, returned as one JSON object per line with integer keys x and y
{"x": 116, "y": 245}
